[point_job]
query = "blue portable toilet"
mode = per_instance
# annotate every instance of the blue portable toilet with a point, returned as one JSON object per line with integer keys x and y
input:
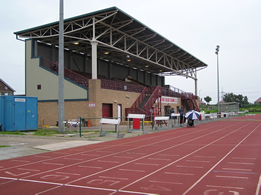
{"x": 18, "y": 113}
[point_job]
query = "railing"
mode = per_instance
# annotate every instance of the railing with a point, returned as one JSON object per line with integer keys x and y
{"x": 121, "y": 86}
{"x": 69, "y": 74}
{"x": 157, "y": 92}
{"x": 137, "y": 103}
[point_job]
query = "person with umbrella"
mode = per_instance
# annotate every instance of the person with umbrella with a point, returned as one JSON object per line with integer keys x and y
{"x": 191, "y": 116}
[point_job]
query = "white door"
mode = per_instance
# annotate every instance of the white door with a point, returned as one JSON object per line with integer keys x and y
{"x": 119, "y": 112}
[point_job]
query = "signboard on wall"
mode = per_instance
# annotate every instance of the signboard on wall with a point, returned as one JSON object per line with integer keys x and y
{"x": 171, "y": 100}
{"x": 91, "y": 105}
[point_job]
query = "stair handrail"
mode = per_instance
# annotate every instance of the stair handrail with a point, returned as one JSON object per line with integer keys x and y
{"x": 157, "y": 92}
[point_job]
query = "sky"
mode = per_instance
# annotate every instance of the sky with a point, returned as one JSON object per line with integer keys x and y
{"x": 197, "y": 26}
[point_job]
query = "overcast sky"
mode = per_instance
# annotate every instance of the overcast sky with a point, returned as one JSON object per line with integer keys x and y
{"x": 196, "y": 26}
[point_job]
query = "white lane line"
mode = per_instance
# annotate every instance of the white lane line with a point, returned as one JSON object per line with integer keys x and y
{"x": 132, "y": 192}
{"x": 118, "y": 178}
{"x": 240, "y": 163}
{"x": 45, "y": 182}
{"x": 108, "y": 161}
{"x": 169, "y": 155}
{"x": 221, "y": 158}
{"x": 123, "y": 157}
{"x": 170, "y": 173}
{"x": 48, "y": 190}
{"x": 212, "y": 186}
{"x": 233, "y": 177}
{"x": 132, "y": 170}
{"x": 68, "y": 173}
{"x": 90, "y": 154}
{"x": 244, "y": 158}
{"x": 258, "y": 186}
{"x": 189, "y": 166}
{"x": 43, "y": 156}
{"x": 205, "y": 156}
{"x": 21, "y": 160}
{"x": 198, "y": 161}
{"x": 165, "y": 182}
{"x": 73, "y": 159}
{"x": 134, "y": 153}
{"x": 233, "y": 169}
{"x": 52, "y": 163}
{"x": 146, "y": 164}
{"x": 89, "y": 167}
{"x": 93, "y": 188}
{"x": 105, "y": 151}
{"x": 28, "y": 169}
{"x": 157, "y": 159}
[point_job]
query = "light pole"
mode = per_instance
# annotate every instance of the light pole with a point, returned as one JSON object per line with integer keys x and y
{"x": 217, "y": 50}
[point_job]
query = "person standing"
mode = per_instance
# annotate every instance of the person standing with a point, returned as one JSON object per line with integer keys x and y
{"x": 181, "y": 115}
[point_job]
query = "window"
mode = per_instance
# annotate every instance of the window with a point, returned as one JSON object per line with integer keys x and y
{"x": 39, "y": 87}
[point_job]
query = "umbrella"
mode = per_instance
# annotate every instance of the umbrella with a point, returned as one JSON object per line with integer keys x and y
{"x": 192, "y": 114}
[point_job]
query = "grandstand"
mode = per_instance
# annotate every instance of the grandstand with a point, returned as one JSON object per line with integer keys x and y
{"x": 129, "y": 76}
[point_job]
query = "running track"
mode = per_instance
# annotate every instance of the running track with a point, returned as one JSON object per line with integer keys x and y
{"x": 216, "y": 158}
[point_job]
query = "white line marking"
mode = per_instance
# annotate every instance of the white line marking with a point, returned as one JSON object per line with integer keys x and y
{"x": 90, "y": 167}
{"x": 244, "y": 158}
{"x": 105, "y": 151}
{"x": 234, "y": 177}
{"x": 157, "y": 159}
{"x": 73, "y": 159}
{"x": 43, "y": 156}
{"x": 179, "y": 173}
{"x": 212, "y": 186}
{"x": 90, "y": 154}
{"x": 233, "y": 169}
{"x": 48, "y": 190}
{"x": 240, "y": 163}
{"x": 113, "y": 178}
{"x": 9, "y": 178}
{"x": 21, "y": 160}
{"x": 108, "y": 161}
{"x": 205, "y": 156}
{"x": 258, "y": 186}
{"x": 189, "y": 166}
{"x": 77, "y": 186}
{"x": 68, "y": 173}
{"x": 146, "y": 164}
{"x": 134, "y": 153}
{"x": 52, "y": 163}
{"x": 223, "y": 157}
{"x": 28, "y": 169}
{"x": 198, "y": 161}
{"x": 131, "y": 170}
{"x": 169, "y": 155}
{"x": 165, "y": 182}
{"x": 123, "y": 157}
{"x": 46, "y": 182}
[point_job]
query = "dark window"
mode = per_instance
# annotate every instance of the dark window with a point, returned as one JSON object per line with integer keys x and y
{"x": 39, "y": 86}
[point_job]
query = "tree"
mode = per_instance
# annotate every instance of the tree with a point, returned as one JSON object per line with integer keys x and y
{"x": 230, "y": 97}
{"x": 207, "y": 99}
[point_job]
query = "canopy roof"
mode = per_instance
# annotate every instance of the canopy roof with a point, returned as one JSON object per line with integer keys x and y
{"x": 121, "y": 39}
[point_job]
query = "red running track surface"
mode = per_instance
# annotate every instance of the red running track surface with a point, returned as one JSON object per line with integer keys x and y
{"x": 215, "y": 158}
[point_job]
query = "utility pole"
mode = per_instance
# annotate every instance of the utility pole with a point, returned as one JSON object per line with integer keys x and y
{"x": 217, "y": 50}
{"x": 61, "y": 72}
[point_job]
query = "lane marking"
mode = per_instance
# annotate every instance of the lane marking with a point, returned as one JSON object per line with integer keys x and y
{"x": 92, "y": 188}
{"x": 45, "y": 182}
{"x": 68, "y": 173}
{"x": 48, "y": 163}
{"x": 28, "y": 169}
{"x": 90, "y": 154}
{"x": 132, "y": 192}
{"x": 146, "y": 164}
{"x": 235, "y": 172}
{"x": 73, "y": 159}
{"x": 234, "y": 169}
{"x": 223, "y": 157}
{"x": 258, "y": 186}
{"x": 134, "y": 153}
{"x": 105, "y": 177}
{"x": 123, "y": 157}
{"x": 169, "y": 155}
{"x": 90, "y": 167}
{"x": 240, "y": 163}
{"x": 21, "y": 160}
{"x": 104, "y": 151}
{"x": 42, "y": 156}
{"x": 244, "y": 158}
{"x": 198, "y": 161}
{"x": 108, "y": 161}
{"x": 165, "y": 182}
{"x": 179, "y": 173}
{"x": 238, "y": 188}
{"x": 233, "y": 177}
{"x": 158, "y": 159}
{"x": 131, "y": 170}
{"x": 189, "y": 166}
{"x": 205, "y": 156}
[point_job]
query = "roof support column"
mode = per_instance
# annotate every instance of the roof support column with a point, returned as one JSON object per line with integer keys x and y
{"x": 94, "y": 44}
{"x": 196, "y": 84}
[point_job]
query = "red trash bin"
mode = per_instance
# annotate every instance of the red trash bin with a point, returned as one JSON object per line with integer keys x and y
{"x": 136, "y": 123}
